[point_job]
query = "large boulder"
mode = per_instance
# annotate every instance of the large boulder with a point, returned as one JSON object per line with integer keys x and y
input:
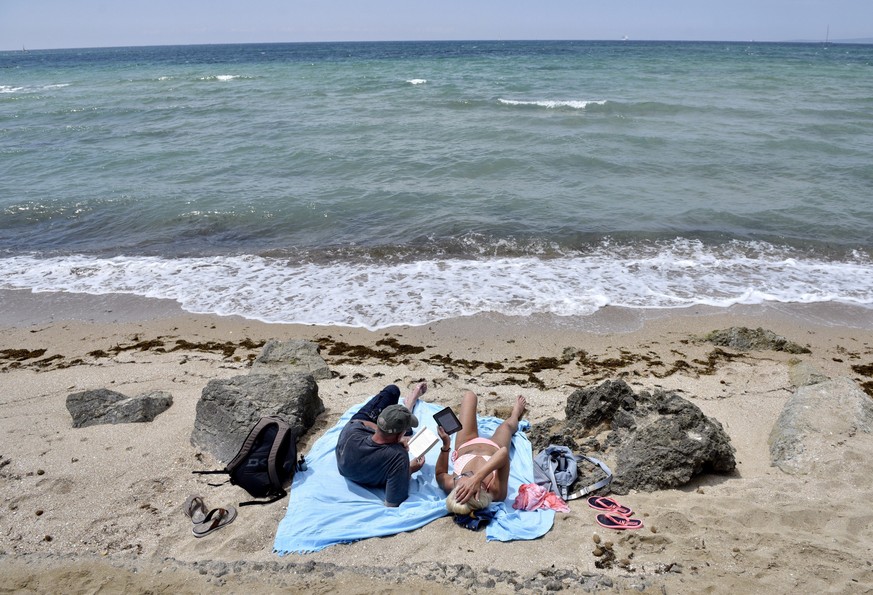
{"x": 651, "y": 441}
{"x": 229, "y": 408}
{"x": 820, "y": 426}
{"x": 104, "y": 406}
{"x": 665, "y": 442}
{"x": 291, "y": 357}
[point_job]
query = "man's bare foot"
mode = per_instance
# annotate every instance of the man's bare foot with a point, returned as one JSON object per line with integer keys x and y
{"x": 520, "y": 407}
{"x": 419, "y": 390}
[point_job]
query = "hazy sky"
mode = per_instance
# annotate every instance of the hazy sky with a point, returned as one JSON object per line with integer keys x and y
{"x": 90, "y": 23}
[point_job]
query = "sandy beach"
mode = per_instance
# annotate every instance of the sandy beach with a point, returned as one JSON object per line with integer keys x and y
{"x": 99, "y": 509}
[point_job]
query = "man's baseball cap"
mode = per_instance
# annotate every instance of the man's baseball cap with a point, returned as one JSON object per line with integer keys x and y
{"x": 396, "y": 419}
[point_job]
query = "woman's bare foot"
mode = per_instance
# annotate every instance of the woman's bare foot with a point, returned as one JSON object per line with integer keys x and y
{"x": 419, "y": 390}
{"x": 520, "y": 407}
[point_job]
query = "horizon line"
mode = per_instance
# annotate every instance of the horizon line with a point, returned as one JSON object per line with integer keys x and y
{"x": 851, "y": 41}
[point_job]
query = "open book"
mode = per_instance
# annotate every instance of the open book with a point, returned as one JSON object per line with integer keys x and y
{"x": 422, "y": 442}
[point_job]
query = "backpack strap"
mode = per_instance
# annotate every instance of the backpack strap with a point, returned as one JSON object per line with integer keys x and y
{"x": 596, "y": 485}
{"x": 275, "y": 498}
{"x": 249, "y": 441}
{"x": 282, "y": 429}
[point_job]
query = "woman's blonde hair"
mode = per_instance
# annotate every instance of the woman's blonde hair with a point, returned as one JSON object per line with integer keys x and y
{"x": 483, "y": 501}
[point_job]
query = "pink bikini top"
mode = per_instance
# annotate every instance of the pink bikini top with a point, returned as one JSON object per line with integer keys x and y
{"x": 461, "y": 461}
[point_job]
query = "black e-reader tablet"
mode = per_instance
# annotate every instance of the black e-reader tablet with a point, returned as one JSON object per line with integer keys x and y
{"x": 447, "y": 420}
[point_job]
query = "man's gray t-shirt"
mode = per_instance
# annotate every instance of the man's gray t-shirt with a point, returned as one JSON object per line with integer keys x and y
{"x": 376, "y": 465}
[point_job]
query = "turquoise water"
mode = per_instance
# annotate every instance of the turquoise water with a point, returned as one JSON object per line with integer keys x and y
{"x": 371, "y": 184}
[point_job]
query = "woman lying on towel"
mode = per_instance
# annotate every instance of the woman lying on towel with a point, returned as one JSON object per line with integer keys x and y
{"x": 480, "y": 465}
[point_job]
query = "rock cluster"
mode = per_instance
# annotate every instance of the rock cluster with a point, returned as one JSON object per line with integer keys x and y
{"x": 282, "y": 382}
{"x": 281, "y": 385}
{"x": 651, "y": 441}
{"x": 229, "y": 408}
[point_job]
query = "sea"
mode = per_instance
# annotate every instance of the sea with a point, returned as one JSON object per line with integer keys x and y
{"x": 401, "y": 183}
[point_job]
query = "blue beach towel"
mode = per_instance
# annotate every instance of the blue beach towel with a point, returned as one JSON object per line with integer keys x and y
{"x": 325, "y": 509}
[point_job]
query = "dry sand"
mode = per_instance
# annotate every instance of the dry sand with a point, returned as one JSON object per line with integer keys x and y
{"x": 99, "y": 509}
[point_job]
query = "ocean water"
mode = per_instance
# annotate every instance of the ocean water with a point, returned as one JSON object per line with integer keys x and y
{"x": 376, "y": 184}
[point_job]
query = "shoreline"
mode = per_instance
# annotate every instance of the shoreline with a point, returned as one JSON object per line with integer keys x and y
{"x": 23, "y": 307}
{"x": 104, "y": 502}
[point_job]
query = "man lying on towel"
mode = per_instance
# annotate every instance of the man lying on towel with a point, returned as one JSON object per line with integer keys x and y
{"x": 371, "y": 449}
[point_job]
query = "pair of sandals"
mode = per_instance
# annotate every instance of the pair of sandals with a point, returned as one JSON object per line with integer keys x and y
{"x": 206, "y": 521}
{"x": 614, "y": 516}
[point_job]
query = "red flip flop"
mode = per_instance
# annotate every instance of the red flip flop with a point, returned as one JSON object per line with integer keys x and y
{"x": 609, "y": 505}
{"x": 618, "y": 522}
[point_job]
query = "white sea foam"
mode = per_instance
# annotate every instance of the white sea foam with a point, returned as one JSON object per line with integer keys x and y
{"x": 220, "y": 77}
{"x": 417, "y": 81}
{"x": 380, "y": 295}
{"x": 553, "y": 104}
{"x": 32, "y": 89}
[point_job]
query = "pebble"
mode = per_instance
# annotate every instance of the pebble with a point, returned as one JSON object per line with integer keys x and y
{"x": 596, "y": 538}
{"x": 598, "y": 551}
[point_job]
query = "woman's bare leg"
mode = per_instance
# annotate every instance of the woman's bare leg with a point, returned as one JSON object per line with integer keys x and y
{"x": 470, "y": 429}
{"x": 503, "y": 434}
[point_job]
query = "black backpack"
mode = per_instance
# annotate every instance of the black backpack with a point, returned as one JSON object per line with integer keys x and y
{"x": 266, "y": 461}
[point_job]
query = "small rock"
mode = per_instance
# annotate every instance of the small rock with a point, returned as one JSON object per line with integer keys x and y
{"x": 596, "y": 538}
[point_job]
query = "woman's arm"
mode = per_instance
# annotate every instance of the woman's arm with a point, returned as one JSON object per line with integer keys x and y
{"x": 443, "y": 477}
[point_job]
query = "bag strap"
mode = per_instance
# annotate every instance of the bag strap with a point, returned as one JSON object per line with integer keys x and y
{"x": 250, "y": 440}
{"x": 275, "y": 498}
{"x": 213, "y": 472}
{"x": 282, "y": 431}
{"x": 596, "y": 485}
{"x": 558, "y": 489}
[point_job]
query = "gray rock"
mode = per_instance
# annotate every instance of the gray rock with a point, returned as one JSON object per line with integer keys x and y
{"x": 803, "y": 374}
{"x": 228, "y": 408}
{"x": 653, "y": 441}
{"x": 291, "y": 357}
{"x": 104, "y": 406}
{"x": 818, "y": 425}
{"x": 746, "y": 339}
{"x": 670, "y": 442}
